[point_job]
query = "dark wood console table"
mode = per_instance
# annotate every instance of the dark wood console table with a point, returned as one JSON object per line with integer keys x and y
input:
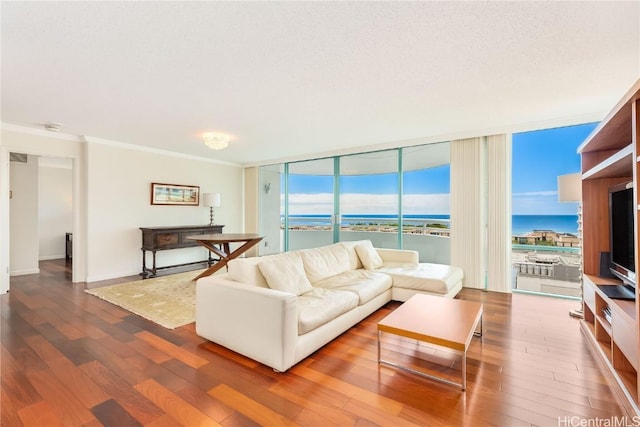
{"x": 172, "y": 237}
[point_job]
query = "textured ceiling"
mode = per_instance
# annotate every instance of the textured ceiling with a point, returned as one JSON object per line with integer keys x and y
{"x": 292, "y": 80}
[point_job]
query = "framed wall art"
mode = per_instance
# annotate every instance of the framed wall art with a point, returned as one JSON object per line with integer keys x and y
{"x": 173, "y": 194}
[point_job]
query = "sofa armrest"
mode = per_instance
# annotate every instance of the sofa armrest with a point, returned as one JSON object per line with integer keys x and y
{"x": 257, "y": 322}
{"x": 403, "y": 256}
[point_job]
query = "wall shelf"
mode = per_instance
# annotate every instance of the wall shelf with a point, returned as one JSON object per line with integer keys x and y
{"x": 618, "y": 165}
{"x": 610, "y": 156}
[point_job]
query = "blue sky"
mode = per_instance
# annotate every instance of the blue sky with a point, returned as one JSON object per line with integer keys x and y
{"x": 539, "y": 157}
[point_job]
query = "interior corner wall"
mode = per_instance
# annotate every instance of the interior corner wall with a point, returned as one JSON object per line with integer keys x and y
{"x": 4, "y": 219}
{"x": 251, "y": 203}
{"x": 499, "y": 264}
{"x": 468, "y": 210}
{"x": 269, "y": 209}
{"x": 118, "y": 203}
{"x": 23, "y": 217}
{"x": 55, "y": 210}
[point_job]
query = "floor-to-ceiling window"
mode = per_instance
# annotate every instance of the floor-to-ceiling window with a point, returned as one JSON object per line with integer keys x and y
{"x": 310, "y": 209}
{"x": 546, "y": 240}
{"x": 397, "y": 198}
{"x": 425, "y": 201}
{"x": 369, "y": 201}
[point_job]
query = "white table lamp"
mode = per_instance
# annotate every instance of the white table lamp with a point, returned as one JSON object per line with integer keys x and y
{"x": 570, "y": 187}
{"x": 211, "y": 200}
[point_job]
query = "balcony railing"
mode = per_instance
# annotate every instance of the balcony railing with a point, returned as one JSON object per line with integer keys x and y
{"x": 425, "y": 226}
{"x": 428, "y": 236}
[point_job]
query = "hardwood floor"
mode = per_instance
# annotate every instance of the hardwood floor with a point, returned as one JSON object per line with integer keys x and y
{"x": 69, "y": 358}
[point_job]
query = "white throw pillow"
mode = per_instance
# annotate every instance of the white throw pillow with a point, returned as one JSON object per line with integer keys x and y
{"x": 286, "y": 274}
{"x": 369, "y": 256}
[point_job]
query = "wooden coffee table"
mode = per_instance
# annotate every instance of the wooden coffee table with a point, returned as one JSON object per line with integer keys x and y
{"x": 444, "y": 322}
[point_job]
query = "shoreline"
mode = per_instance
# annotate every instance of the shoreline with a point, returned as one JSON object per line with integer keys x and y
{"x": 539, "y": 238}
{"x": 522, "y": 225}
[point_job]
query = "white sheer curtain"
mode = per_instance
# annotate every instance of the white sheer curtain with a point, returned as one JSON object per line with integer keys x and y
{"x": 468, "y": 209}
{"x": 481, "y": 211}
{"x": 499, "y": 265}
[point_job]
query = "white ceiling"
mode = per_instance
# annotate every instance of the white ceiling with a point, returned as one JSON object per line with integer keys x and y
{"x": 290, "y": 80}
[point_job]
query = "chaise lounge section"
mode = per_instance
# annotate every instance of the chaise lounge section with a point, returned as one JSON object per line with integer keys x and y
{"x": 278, "y": 309}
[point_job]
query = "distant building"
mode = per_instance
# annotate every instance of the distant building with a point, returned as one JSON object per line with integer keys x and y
{"x": 552, "y": 274}
{"x": 548, "y": 237}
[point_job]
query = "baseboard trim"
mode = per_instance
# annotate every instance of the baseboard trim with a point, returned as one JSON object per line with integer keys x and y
{"x": 24, "y": 272}
{"x": 50, "y": 257}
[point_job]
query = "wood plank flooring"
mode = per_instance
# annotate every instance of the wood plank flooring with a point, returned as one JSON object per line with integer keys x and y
{"x": 68, "y": 358}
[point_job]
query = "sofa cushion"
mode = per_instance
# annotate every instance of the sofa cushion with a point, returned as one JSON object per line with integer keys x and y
{"x": 399, "y": 256}
{"x": 366, "y": 284}
{"x": 435, "y": 278}
{"x": 325, "y": 261}
{"x": 285, "y": 274}
{"x": 369, "y": 256}
{"x": 246, "y": 270}
{"x": 354, "y": 260}
{"x": 320, "y": 306}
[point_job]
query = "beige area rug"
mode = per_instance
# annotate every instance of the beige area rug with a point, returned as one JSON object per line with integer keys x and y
{"x": 169, "y": 301}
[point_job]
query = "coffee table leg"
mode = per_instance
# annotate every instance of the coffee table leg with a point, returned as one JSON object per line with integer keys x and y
{"x": 464, "y": 371}
{"x": 476, "y": 333}
{"x": 379, "y": 333}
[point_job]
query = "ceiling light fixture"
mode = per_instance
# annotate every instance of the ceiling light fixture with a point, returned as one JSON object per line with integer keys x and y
{"x": 217, "y": 141}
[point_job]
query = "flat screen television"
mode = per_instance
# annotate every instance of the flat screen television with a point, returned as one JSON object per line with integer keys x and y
{"x": 622, "y": 237}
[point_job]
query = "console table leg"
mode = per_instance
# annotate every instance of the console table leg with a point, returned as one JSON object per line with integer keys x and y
{"x": 154, "y": 263}
{"x": 145, "y": 272}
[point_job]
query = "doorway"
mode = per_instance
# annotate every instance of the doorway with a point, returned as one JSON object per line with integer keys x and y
{"x": 40, "y": 210}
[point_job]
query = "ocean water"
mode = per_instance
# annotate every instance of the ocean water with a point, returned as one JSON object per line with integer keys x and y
{"x": 520, "y": 223}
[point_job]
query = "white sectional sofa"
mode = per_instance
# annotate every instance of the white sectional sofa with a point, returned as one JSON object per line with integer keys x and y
{"x": 278, "y": 309}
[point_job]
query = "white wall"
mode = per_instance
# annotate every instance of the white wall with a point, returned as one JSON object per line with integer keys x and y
{"x": 4, "y": 219}
{"x": 23, "y": 217}
{"x": 55, "y": 213}
{"x": 251, "y": 216}
{"x": 111, "y": 199}
{"x": 118, "y": 203}
{"x": 269, "y": 211}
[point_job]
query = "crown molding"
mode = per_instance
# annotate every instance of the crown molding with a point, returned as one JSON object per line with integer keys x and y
{"x": 93, "y": 140}
{"x": 127, "y": 146}
{"x": 40, "y": 132}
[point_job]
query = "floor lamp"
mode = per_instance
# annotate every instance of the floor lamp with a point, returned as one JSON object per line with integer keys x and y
{"x": 570, "y": 190}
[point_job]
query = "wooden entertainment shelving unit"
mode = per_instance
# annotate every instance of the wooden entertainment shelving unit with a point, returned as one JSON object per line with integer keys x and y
{"x": 610, "y": 157}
